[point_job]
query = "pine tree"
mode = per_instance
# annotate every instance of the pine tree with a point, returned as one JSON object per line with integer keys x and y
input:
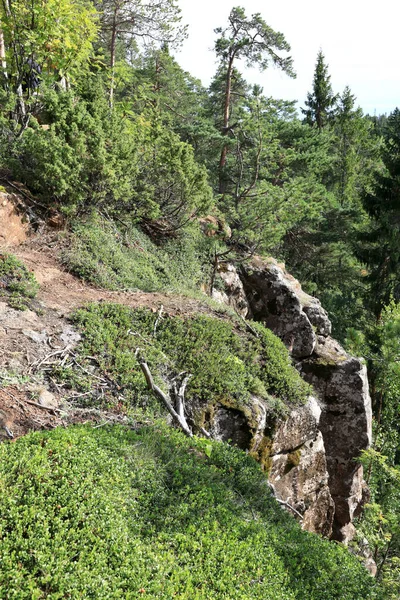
{"x": 259, "y": 45}
{"x": 321, "y": 101}
{"x": 356, "y": 152}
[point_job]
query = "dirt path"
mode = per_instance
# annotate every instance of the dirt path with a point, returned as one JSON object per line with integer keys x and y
{"x": 64, "y": 292}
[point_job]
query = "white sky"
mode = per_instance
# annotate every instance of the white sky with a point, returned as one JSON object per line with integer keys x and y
{"x": 360, "y": 41}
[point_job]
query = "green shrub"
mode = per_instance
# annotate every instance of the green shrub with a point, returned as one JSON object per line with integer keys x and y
{"x": 126, "y": 258}
{"x": 88, "y": 156}
{"x": 16, "y": 281}
{"x": 110, "y": 513}
{"x": 228, "y": 364}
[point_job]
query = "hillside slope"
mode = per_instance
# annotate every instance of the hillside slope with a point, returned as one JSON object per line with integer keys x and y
{"x": 111, "y": 513}
{"x": 115, "y": 513}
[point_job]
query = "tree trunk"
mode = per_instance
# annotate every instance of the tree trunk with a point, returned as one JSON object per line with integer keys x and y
{"x": 2, "y": 52}
{"x": 112, "y": 55}
{"x": 224, "y": 151}
{"x": 3, "y": 61}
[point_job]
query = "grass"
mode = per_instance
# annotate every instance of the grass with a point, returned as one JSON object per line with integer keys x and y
{"x": 17, "y": 283}
{"x": 126, "y": 259}
{"x": 113, "y": 514}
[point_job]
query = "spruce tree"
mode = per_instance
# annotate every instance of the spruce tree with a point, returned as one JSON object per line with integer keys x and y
{"x": 321, "y": 101}
{"x": 381, "y": 248}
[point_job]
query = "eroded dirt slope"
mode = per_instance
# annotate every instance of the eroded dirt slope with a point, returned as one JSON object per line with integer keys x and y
{"x": 31, "y": 341}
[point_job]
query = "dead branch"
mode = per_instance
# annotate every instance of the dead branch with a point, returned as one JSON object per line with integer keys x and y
{"x": 205, "y": 433}
{"x": 287, "y": 505}
{"x": 179, "y": 416}
{"x": 282, "y": 502}
{"x": 179, "y": 396}
{"x": 106, "y": 422}
{"x": 44, "y": 360}
{"x": 53, "y": 410}
{"x": 159, "y": 317}
{"x": 23, "y": 193}
{"x": 248, "y": 326}
{"x": 136, "y": 333}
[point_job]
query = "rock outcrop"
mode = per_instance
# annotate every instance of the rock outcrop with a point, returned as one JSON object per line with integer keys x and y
{"x": 233, "y": 293}
{"x": 346, "y": 422}
{"x": 298, "y": 469}
{"x": 312, "y": 454}
{"x": 276, "y": 299}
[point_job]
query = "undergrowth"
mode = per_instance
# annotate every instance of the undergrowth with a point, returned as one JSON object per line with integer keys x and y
{"x": 227, "y": 363}
{"x": 126, "y": 259}
{"x": 114, "y": 514}
{"x": 17, "y": 283}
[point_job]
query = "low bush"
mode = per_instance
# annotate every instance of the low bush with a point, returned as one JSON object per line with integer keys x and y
{"x": 227, "y": 363}
{"x": 16, "y": 282}
{"x": 126, "y": 258}
{"x": 110, "y": 513}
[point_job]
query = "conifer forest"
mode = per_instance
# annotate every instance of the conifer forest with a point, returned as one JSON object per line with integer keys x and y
{"x": 157, "y": 184}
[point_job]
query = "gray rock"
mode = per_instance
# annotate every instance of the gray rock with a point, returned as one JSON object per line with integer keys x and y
{"x": 298, "y": 469}
{"x": 231, "y": 425}
{"x": 219, "y": 296}
{"x": 47, "y": 399}
{"x": 346, "y": 426}
{"x": 276, "y": 299}
{"x": 70, "y": 337}
{"x": 16, "y": 319}
{"x": 340, "y": 381}
{"x": 234, "y": 291}
{"x": 40, "y": 338}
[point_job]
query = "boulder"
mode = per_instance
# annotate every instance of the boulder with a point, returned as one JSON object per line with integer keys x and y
{"x": 276, "y": 299}
{"x": 298, "y": 470}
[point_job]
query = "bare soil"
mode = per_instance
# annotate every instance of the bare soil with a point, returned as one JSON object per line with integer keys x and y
{"x": 13, "y": 227}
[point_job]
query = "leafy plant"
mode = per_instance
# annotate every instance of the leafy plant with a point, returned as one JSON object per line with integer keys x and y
{"x": 16, "y": 282}
{"x": 115, "y": 513}
{"x": 227, "y": 363}
{"x": 125, "y": 258}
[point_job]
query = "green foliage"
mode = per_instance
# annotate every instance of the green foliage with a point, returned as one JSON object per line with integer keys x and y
{"x": 380, "y": 522}
{"x": 356, "y": 153}
{"x": 124, "y": 258}
{"x": 44, "y": 42}
{"x": 322, "y": 250}
{"x": 275, "y": 168}
{"x": 16, "y": 282}
{"x": 127, "y": 23}
{"x": 171, "y": 180}
{"x": 109, "y": 513}
{"x": 227, "y": 364}
{"x": 252, "y": 40}
{"x": 84, "y": 155}
{"x": 58, "y": 35}
{"x": 321, "y": 101}
{"x": 378, "y": 245}
{"x": 88, "y": 156}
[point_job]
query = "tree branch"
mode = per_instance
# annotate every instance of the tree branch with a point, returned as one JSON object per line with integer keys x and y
{"x": 179, "y": 416}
